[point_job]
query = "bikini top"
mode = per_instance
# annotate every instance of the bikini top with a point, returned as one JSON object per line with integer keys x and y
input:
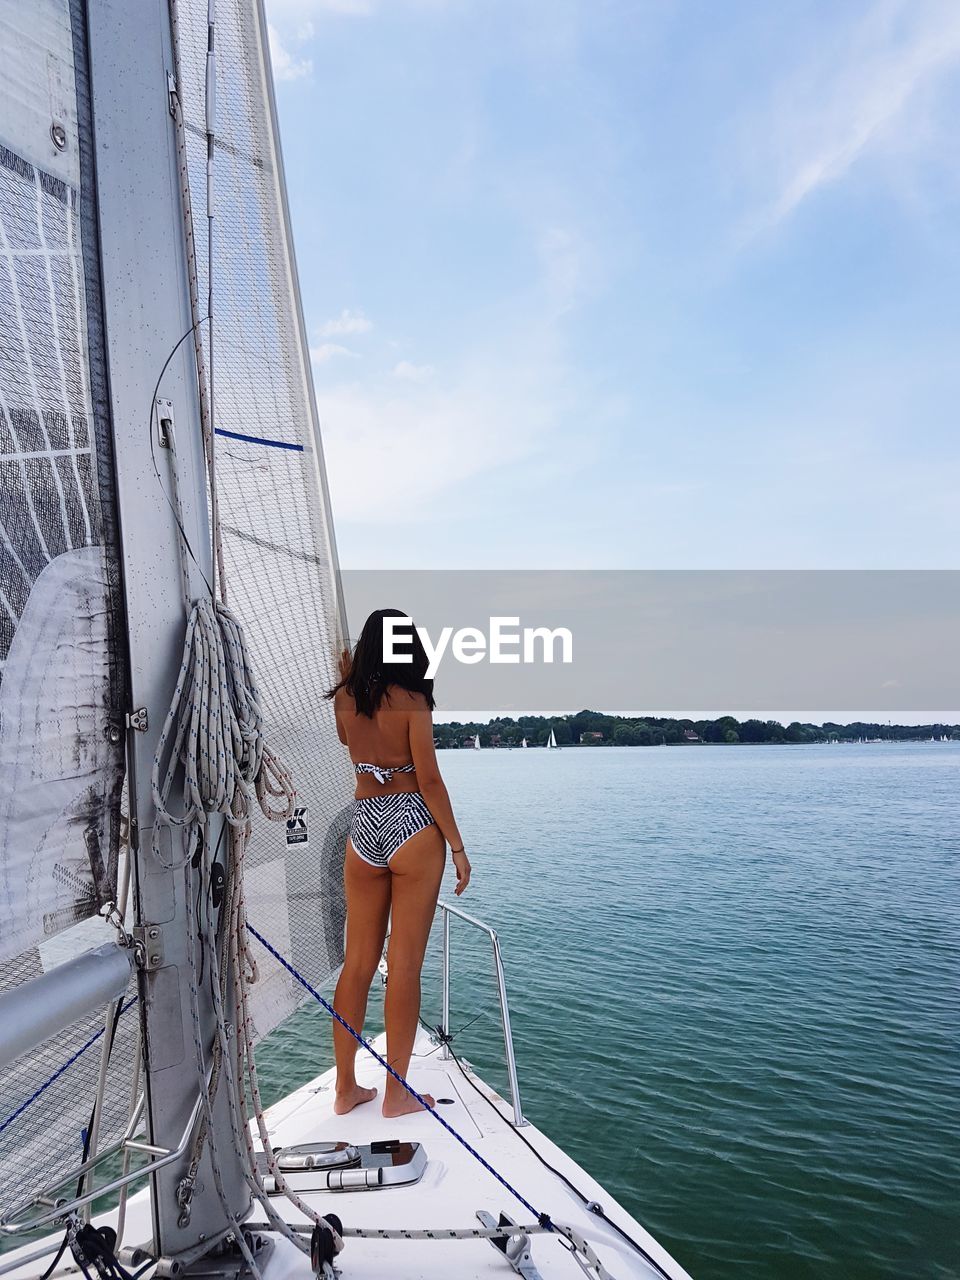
{"x": 384, "y": 773}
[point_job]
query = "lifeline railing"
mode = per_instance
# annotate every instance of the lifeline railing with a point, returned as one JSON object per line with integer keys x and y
{"x": 449, "y": 911}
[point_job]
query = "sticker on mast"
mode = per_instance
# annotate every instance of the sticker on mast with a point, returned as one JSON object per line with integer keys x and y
{"x": 297, "y": 827}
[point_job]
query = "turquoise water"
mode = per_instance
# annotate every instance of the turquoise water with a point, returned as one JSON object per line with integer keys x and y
{"x": 733, "y": 975}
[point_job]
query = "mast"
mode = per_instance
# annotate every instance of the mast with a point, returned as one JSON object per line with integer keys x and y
{"x": 147, "y": 314}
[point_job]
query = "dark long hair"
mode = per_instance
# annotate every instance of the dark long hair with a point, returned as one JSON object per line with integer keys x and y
{"x": 369, "y": 679}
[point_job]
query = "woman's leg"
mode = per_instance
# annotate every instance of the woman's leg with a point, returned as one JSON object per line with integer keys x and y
{"x": 416, "y": 870}
{"x": 368, "y": 907}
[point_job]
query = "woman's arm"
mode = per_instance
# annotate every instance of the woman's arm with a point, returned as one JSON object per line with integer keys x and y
{"x": 433, "y": 790}
{"x": 337, "y": 703}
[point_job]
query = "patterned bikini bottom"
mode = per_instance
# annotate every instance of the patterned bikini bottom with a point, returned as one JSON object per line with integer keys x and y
{"x": 382, "y": 824}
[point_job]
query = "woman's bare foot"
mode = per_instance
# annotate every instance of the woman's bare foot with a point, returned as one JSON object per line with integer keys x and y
{"x": 351, "y": 1098}
{"x": 403, "y": 1106}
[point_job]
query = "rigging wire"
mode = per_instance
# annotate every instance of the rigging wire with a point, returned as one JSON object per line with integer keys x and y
{"x": 210, "y": 113}
{"x": 204, "y": 374}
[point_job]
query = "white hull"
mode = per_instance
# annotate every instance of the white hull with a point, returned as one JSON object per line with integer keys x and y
{"x": 453, "y": 1188}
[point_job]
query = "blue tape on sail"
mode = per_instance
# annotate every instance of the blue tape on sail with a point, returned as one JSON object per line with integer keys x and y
{"x": 272, "y": 444}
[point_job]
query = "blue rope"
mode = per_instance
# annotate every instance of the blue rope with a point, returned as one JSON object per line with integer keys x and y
{"x": 542, "y": 1218}
{"x": 59, "y": 1072}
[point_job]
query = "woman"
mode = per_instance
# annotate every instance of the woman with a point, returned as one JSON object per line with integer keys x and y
{"x": 402, "y": 822}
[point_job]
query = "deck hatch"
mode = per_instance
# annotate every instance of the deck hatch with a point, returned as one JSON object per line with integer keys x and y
{"x": 342, "y": 1166}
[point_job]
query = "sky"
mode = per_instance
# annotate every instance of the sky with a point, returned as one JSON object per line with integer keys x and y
{"x": 654, "y": 284}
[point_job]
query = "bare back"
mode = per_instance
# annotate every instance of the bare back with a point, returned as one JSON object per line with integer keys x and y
{"x": 383, "y": 739}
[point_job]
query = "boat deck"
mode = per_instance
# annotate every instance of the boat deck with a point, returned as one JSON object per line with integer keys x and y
{"x": 453, "y": 1188}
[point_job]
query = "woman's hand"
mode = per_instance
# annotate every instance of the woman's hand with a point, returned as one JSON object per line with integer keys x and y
{"x": 346, "y": 662}
{"x": 462, "y": 864}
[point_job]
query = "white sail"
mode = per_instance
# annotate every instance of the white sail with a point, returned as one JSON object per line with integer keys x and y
{"x": 552, "y": 740}
{"x": 279, "y": 552}
{"x": 523, "y": 743}
{"x": 476, "y": 743}
{"x": 62, "y": 654}
{"x": 62, "y": 676}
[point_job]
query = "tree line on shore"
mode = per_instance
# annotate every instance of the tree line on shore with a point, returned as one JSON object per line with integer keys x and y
{"x": 596, "y": 729}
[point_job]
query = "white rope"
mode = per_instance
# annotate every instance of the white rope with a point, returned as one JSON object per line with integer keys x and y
{"x": 214, "y": 726}
{"x": 214, "y": 729}
{"x": 576, "y": 1242}
{"x": 567, "y": 1236}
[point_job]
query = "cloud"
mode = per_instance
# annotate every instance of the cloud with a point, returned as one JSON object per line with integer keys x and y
{"x": 346, "y": 322}
{"x": 292, "y": 25}
{"x": 413, "y": 372}
{"x": 418, "y": 446}
{"x": 328, "y": 351}
{"x": 567, "y": 265}
{"x": 286, "y": 66}
{"x": 424, "y": 439}
{"x": 850, "y": 99}
{"x": 303, "y": 11}
{"x": 492, "y": 406}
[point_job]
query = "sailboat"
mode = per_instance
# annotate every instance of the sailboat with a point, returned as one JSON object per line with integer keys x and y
{"x": 552, "y": 740}
{"x": 476, "y": 743}
{"x": 173, "y": 796}
{"x": 523, "y": 743}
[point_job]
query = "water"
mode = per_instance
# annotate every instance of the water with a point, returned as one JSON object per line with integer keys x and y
{"x": 733, "y": 978}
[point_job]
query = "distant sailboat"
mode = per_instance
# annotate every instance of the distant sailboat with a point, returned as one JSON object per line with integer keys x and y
{"x": 552, "y": 740}
{"x": 523, "y": 743}
{"x": 476, "y": 743}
